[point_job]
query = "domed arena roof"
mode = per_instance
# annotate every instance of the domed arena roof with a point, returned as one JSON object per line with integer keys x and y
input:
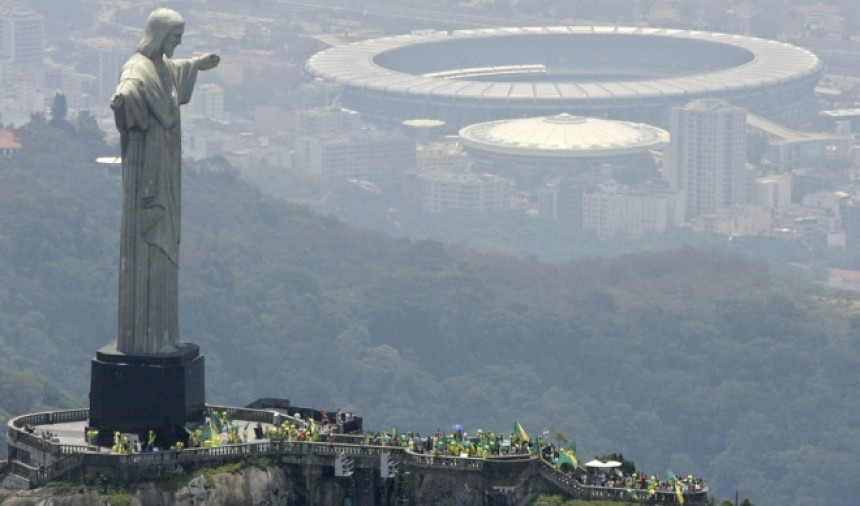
{"x": 563, "y": 136}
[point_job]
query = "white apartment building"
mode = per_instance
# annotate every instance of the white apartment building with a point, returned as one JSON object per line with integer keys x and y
{"x": 773, "y": 192}
{"x": 327, "y": 122}
{"x": 208, "y": 100}
{"x": 706, "y": 157}
{"x": 22, "y": 48}
{"x": 381, "y": 157}
{"x": 612, "y": 210}
{"x": 736, "y": 221}
{"x": 474, "y": 193}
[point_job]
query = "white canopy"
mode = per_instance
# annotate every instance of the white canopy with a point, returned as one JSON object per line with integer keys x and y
{"x": 601, "y": 464}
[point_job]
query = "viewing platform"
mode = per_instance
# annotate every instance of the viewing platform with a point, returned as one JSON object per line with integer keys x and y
{"x": 34, "y": 459}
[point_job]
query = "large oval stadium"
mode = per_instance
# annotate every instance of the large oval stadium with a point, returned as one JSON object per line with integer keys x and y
{"x": 630, "y": 73}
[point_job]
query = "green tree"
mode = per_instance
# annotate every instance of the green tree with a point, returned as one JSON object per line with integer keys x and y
{"x": 59, "y": 109}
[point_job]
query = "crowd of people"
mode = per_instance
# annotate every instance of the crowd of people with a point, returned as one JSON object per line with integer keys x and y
{"x": 455, "y": 443}
{"x": 219, "y": 428}
{"x": 638, "y": 481}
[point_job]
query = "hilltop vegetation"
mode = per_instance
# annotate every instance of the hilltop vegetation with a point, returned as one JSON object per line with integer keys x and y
{"x": 704, "y": 363}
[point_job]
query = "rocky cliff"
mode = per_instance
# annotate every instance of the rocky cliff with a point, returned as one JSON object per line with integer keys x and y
{"x": 250, "y": 486}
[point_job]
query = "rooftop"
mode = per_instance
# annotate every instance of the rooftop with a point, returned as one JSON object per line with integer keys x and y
{"x": 564, "y": 136}
{"x": 758, "y": 63}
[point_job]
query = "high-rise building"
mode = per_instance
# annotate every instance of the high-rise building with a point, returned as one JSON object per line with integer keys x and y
{"x": 851, "y": 222}
{"x": 22, "y": 47}
{"x": 706, "y": 158}
{"x": 102, "y": 58}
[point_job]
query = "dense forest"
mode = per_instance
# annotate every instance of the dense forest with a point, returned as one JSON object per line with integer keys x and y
{"x": 700, "y": 362}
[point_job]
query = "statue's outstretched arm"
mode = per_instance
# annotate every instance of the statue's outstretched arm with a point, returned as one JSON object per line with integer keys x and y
{"x": 208, "y": 61}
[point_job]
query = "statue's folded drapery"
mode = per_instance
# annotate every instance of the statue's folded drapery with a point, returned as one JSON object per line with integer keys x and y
{"x": 146, "y": 109}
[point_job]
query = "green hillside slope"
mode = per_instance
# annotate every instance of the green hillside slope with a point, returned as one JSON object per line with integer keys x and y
{"x": 700, "y": 362}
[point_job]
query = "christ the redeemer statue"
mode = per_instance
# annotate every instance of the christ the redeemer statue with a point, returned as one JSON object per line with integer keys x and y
{"x": 152, "y": 86}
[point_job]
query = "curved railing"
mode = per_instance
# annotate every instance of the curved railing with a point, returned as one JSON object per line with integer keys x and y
{"x": 16, "y": 433}
{"x": 49, "y": 417}
{"x": 69, "y": 457}
{"x": 443, "y": 461}
{"x": 573, "y": 488}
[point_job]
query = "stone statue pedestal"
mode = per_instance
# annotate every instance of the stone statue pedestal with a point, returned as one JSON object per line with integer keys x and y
{"x": 133, "y": 393}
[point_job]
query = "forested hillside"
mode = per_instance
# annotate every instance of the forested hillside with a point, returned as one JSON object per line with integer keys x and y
{"x": 699, "y": 362}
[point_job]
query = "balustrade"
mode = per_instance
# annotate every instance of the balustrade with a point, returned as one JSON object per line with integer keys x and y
{"x": 364, "y": 455}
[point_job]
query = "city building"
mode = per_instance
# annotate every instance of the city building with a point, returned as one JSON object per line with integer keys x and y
{"x": 439, "y": 191}
{"x": 562, "y": 199}
{"x": 851, "y": 220}
{"x": 788, "y": 149}
{"x": 102, "y": 58}
{"x": 773, "y": 192}
{"x": 366, "y": 154}
{"x": 706, "y": 158}
{"x": 616, "y": 210}
{"x": 327, "y": 122}
{"x": 333, "y": 142}
{"x": 444, "y": 155}
{"x": 814, "y": 180}
{"x": 9, "y": 145}
{"x": 742, "y": 220}
{"x": 826, "y": 208}
{"x": 22, "y": 47}
{"x": 208, "y": 101}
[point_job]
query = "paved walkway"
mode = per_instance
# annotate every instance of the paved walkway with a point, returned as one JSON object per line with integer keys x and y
{"x": 72, "y": 433}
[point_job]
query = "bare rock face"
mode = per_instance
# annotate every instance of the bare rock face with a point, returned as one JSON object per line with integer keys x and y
{"x": 250, "y": 486}
{"x": 53, "y": 496}
{"x": 447, "y": 489}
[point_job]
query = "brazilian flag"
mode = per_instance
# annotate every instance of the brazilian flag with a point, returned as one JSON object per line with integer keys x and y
{"x": 520, "y": 432}
{"x": 679, "y": 494}
{"x": 571, "y": 456}
{"x": 215, "y": 421}
{"x": 567, "y": 458}
{"x": 671, "y": 478}
{"x": 205, "y": 434}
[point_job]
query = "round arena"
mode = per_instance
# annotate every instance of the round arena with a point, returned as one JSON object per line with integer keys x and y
{"x": 630, "y": 73}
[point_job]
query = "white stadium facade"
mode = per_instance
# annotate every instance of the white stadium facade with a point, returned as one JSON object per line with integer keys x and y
{"x": 630, "y": 73}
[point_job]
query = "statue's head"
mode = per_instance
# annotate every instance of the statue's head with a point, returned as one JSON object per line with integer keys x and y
{"x": 162, "y": 33}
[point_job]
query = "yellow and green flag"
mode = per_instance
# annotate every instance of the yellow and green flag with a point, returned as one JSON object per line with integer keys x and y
{"x": 215, "y": 428}
{"x": 520, "y": 431}
{"x": 678, "y": 493}
{"x": 568, "y": 457}
{"x": 671, "y": 478}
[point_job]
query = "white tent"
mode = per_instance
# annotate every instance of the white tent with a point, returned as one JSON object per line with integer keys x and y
{"x": 601, "y": 464}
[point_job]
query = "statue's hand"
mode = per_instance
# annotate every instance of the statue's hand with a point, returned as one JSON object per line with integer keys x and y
{"x": 116, "y": 102}
{"x": 209, "y": 61}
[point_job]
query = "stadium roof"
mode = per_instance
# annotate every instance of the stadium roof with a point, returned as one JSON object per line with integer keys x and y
{"x": 563, "y": 136}
{"x": 768, "y": 63}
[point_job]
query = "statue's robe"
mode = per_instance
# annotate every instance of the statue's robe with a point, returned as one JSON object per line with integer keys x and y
{"x": 146, "y": 110}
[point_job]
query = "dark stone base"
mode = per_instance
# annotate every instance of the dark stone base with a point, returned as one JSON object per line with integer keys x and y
{"x": 136, "y": 393}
